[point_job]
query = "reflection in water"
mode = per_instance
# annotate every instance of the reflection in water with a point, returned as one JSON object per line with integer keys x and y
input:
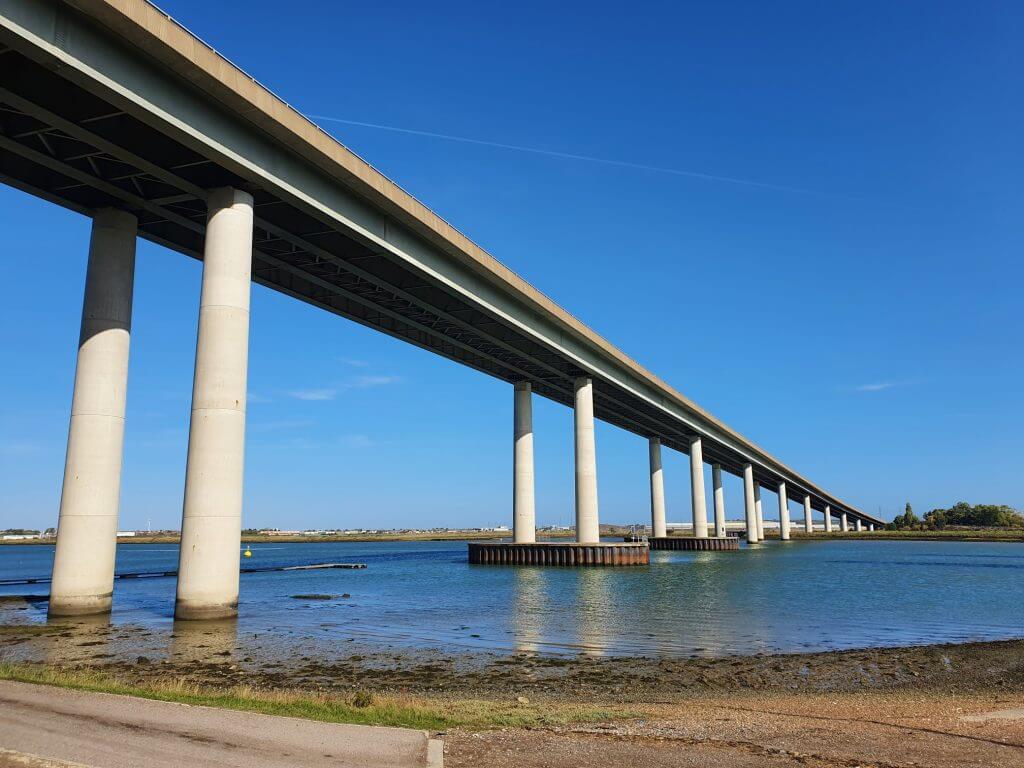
{"x": 78, "y": 638}
{"x": 530, "y": 592}
{"x": 594, "y": 609}
{"x": 206, "y": 642}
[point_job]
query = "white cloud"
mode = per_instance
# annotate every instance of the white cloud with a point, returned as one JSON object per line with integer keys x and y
{"x": 255, "y": 397}
{"x": 354, "y": 363}
{"x": 877, "y": 387}
{"x": 313, "y": 394}
{"x": 374, "y": 381}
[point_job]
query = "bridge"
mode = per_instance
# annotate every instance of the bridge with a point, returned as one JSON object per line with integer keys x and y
{"x": 112, "y": 109}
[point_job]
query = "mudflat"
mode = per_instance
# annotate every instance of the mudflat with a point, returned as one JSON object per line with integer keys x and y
{"x": 939, "y": 705}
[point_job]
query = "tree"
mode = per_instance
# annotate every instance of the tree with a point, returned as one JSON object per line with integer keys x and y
{"x": 907, "y": 520}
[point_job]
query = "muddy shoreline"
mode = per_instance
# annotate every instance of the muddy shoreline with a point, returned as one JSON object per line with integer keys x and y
{"x": 216, "y": 654}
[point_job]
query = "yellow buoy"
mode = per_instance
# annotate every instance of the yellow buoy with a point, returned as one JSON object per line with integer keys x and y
{"x": 247, "y": 553}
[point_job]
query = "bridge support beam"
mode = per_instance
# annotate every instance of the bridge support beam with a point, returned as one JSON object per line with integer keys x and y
{"x": 524, "y": 518}
{"x": 808, "y": 521}
{"x": 719, "y": 494}
{"x": 749, "y": 503}
{"x": 758, "y": 512}
{"x": 588, "y": 528}
{"x": 828, "y": 518}
{"x": 211, "y": 523}
{"x": 83, "y": 566}
{"x": 657, "y": 490}
{"x": 844, "y": 523}
{"x": 698, "y": 498}
{"x": 783, "y": 513}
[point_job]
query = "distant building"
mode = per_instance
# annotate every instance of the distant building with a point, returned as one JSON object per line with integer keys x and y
{"x": 20, "y": 536}
{"x": 126, "y": 534}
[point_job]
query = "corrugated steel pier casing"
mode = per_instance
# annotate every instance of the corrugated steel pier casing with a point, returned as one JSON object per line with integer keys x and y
{"x": 712, "y": 543}
{"x": 559, "y": 553}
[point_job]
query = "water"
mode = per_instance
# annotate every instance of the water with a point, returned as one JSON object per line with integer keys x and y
{"x": 801, "y": 596}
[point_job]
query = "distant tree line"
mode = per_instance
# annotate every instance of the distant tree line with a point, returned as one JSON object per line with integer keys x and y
{"x": 960, "y": 514}
{"x": 19, "y": 532}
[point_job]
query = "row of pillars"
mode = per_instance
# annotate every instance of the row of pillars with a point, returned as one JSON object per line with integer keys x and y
{"x": 524, "y": 527}
{"x": 208, "y": 569}
{"x": 83, "y": 570}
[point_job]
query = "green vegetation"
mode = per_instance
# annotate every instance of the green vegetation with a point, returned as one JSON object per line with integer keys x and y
{"x": 360, "y": 707}
{"x": 960, "y": 515}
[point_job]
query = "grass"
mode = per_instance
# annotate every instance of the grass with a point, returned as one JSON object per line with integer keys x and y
{"x": 361, "y": 707}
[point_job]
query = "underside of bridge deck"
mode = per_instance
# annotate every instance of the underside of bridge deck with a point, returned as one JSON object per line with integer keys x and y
{"x": 71, "y": 139}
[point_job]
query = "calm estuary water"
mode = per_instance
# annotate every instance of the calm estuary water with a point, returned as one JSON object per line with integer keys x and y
{"x": 802, "y": 596}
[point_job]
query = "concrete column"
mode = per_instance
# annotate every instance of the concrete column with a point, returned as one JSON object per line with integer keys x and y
{"x": 719, "y": 493}
{"x": 858, "y": 525}
{"x": 759, "y": 511}
{"x": 748, "y": 499}
{"x": 871, "y": 526}
{"x": 844, "y": 524}
{"x": 657, "y": 490}
{"x": 697, "y": 498}
{"x": 808, "y": 522}
{"x": 828, "y": 518}
{"x": 783, "y": 513}
{"x": 211, "y": 523}
{"x": 524, "y": 516}
{"x": 83, "y": 566}
{"x": 588, "y": 529}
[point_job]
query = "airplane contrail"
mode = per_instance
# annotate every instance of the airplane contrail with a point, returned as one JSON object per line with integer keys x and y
{"x": 571, "y": 156}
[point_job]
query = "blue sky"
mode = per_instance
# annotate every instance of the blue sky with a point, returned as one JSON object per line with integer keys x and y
{"x": 854, "y": 308}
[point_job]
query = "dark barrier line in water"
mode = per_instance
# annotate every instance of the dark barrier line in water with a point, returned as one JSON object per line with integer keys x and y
{"x": 162, "y": 574}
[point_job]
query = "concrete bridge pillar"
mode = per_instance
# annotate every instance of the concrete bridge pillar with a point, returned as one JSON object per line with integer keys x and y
{"x": 698, "y": 499}
{"x": 844, "y": 523}
{"x": 871, "y": 526}
{"x": 808, "y": 522}
{"x": 83, "y": 566}
{"x": 211, "y": 523}
{"x": 858, "y": 525}
{"x": 524, "y": 518}
{"x": 783, "y": 513}
{"x": 758, "y": 512}
{"x": 588, "y": 529}
{"x": 657, "y": 490}
{"x": 719, "y": 494}
{"x": 828, "y": 518}
{"x": 749, "y": 502}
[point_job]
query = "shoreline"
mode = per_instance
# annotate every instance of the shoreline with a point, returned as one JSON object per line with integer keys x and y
{"x": 983, "y": 535}
{"x": 945, "y": 706}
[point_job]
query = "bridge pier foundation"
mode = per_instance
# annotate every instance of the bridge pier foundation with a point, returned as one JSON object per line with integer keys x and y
{"x": 719, "y": 500}
{"x": 588, "y": 528}
{"x": 657, "y": 489}
{"x": 749, "y": 503}
{"x": 211, "y": 525}
{"x": 844, "y": 523}
{"x": 698, "y": 500}
{"x": 758, "y": 512}
{"x": 808, "y": 521}
{"x": 783, "y": 513}
{"x": 858, "y": 525}
{"x": 524, "y": 516}
{"x": 83, "y": 566}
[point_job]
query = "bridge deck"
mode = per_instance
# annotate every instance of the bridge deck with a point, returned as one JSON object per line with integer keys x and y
{"x": 111, "y": 103}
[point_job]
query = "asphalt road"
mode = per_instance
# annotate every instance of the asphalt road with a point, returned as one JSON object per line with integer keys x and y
{"x": 104, "y": 731}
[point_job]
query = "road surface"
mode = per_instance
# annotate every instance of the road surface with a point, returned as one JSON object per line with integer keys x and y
{"x": 105, "y": 731}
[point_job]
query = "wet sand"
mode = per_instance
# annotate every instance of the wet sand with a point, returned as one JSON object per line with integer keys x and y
{"x": 871, "y": 707}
